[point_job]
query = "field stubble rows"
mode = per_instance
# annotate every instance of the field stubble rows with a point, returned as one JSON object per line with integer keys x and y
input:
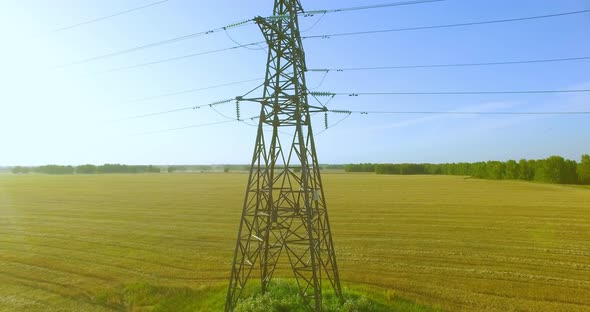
{"x": 462, "y": 244}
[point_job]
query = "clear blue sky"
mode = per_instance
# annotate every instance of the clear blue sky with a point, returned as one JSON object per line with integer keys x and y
{"x": 64, "y": 116}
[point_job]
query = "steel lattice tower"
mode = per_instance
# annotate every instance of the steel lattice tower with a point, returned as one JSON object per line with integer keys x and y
{"x": 284, "y": 208}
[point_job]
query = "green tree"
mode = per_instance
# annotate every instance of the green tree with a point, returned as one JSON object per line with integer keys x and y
{"x": 359, "y": 168}
{"x": 584, "y": 169}
{"x": 539, "y": 169}
{"x": 526, "y": 170}
{"x": 20, "y": 170}
{"x": 479, "y": 170}
{"x": 570, "y": 175}
{"x": 54, "y": 169}
{"x": 511, "y": 172}
{"x": 86, "y": 169}
{"x": 153, "y": 169}
{"x": 496, "y": 170}
{"x": 554, "y": 169}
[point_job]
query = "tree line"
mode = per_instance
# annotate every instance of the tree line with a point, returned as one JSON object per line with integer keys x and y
{"x": 554, "y": 169}
{"x": 86, "y": 169}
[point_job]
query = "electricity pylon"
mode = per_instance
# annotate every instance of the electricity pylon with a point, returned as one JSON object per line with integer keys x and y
{"x": 284, "y": 208}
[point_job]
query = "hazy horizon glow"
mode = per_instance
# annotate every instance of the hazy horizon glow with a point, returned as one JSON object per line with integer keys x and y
{"x": 67, "y": 115}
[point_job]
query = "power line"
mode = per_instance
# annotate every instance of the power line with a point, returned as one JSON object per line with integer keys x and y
{"x": 318, "y": 36}
{"x": 177, "y": 110}
{"x": 455, "y": 113}
{"x": 211, "y": 105}
{"x": 349, "y": 112}
{"x": 451, "y": 65}
{"x": 321, "y": 81}
{"x": 180, "y": 57}
{"x": 155, "y": 44}
{"x": 444, "y": 25}
{"x": 334, "y": 125}
{"x": 239, "y": 43}
{"x": 187, "y": 127}
{"x": 193, "y": 90}
{"x": 354, "y": 94}
{"x": 107, "y": 17}
{"x": 366, "y": 7}
{"x": 223, "y": 115}
{"x": 331, "y": 95}
{"x": 197, "y": 126}
{"x": 314, "y": 24}
{"x": 225, "y": 28}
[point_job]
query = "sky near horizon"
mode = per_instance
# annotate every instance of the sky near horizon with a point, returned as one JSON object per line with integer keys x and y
{"x": 71, "y": 114}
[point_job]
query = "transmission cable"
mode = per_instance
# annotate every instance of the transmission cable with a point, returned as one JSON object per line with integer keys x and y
{"x": 355, "y": 94}
{"x": 221, "y": 114}
{"x": 177, "y": 110}
{"x": 456, "y": 113}
{"x": 211, "y": 105}
{"x": 335, "y": 35}
{"x": 193, "y": 90}
{"x": 225, "y": 28}
{"x": 238, "y": 43}
{"x": 450, "y": 65}
{"x": 155, "y": 44}
{"x": 374, "y": 112}
{"x": 348, "y": 113}
{"x": 186, "y": 127}
{"x": 334, "y": 125}
{"x": 332, "y": 95}
{"x": 314, "y": 24}
{"x": 107, "y": 17}
{"x": 366, "y": 7}
{"x": 195, "y": 126}
{"x": 321, "y": 81}
{"x": 179, "y": 58}
{"x": 444, "y": 25}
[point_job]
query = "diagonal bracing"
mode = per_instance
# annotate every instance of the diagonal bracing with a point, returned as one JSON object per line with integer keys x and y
{"x": 284, "y": 212}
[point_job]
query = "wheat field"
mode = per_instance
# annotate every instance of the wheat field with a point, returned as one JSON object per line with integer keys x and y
{"x": 452, "y": 243}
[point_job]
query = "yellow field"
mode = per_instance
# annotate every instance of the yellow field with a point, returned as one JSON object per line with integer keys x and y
{"x": 461, "y": 244}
